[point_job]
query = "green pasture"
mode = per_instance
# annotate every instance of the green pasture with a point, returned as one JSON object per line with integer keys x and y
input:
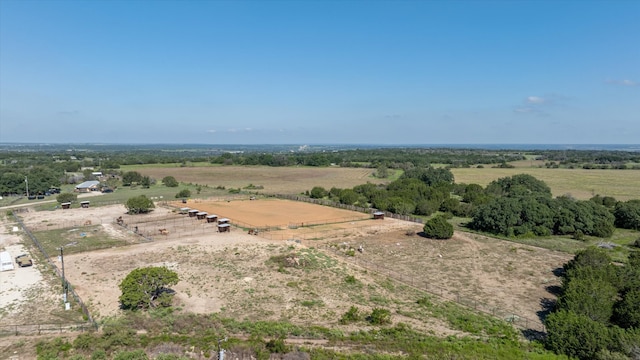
{"x": 75, "y": 240}
{"x": 580, "y": 183}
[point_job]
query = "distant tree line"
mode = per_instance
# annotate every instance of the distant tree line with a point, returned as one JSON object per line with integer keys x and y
{"x": 112, "y": 157}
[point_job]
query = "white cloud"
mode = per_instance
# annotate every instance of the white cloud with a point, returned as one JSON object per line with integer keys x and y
{"x": 624, "y": 82}
{"x": 535, "y": 100}
{"x": 211, "y": 131}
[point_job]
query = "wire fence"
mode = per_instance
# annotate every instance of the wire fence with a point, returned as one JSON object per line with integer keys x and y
{"x": 331, "y": 203}
{"x": 419, "y": 282}
{"x": 51, "y": 264}
{"x": 39, "y": 329}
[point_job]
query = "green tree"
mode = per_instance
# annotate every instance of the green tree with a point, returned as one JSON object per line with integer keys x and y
{"x": 147, "y": 287}
{"x": 627, "y": 310}
{"x": 627, "y": 214}
{"x": 139, "y": 205}
{"x": 589, "y": 294}
{"x": 145, "y": 182}
{"x": 318, "y": 192}
{"x": 66, "y": 197}
{"x": 438, "y": 228}
{"x": 131, "y": 177}
{"x": 382, "y": 172}
{"x": 575, "y": 335}
{"x": 183, "y": 194}
{"x": 518, "y": 185}
{"x": 348, "y": 196}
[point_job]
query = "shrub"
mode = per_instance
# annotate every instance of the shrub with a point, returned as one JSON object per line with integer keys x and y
{"x": 350, "y": 279}
{"x": 184, "y": 193}
{"x": 352, "y": 315}
{"x": 170, "y": 181}
{"x": 438, "y": 228}
{"x": 379, "y": 316}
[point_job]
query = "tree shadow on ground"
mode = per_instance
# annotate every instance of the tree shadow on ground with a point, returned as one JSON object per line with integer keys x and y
{"x": 558, "y": 272}
{"x": 547, "y": 305}
{"x": 533, "y": 335}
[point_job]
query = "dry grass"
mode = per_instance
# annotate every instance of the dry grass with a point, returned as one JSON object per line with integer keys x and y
{"x": 579, "y": 183}
{"x": 282, "y": 180}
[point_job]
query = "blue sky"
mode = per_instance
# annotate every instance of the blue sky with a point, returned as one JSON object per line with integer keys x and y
{"x": 314, "y": 72}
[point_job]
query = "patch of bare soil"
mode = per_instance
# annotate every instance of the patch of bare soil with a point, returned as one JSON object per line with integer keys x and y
{"x": 26, "y": 294}
{"x": 499, "y": 276}
{"x": 274, "y": 180}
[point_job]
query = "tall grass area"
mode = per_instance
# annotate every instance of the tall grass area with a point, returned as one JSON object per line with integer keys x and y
{"x": 179, "y": 332}
{"x": 580, "y": 183}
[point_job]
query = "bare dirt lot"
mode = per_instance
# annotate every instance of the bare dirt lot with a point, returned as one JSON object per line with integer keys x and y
{"x": 252, "y": 277}
{"x": 273, "y": 212}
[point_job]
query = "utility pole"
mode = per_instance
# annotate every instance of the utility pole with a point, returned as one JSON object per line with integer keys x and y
{"x": 64, "y": 280}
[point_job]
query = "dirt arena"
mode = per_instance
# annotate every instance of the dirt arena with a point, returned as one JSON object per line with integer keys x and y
{"x": 270, "y": 213}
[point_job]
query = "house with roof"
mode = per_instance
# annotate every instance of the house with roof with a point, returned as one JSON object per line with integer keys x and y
{"x": 88, "y": 186}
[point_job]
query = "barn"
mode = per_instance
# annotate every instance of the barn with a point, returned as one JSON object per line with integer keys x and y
{"x": 66, "y": 205}
{"x": 224, "y": 227}
{"x": 378, "y": 215}
{"x": 84, "y": 204}
{"x": 193, "y": 212}
{"x": 201, "y": 215}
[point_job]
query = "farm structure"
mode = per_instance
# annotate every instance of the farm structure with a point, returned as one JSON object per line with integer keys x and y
{"x": 6, "y": 263}
{"x": 84, "y": 204}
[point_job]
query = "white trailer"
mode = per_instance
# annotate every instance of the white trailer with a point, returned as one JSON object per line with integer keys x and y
{"x": 6, "y": 263}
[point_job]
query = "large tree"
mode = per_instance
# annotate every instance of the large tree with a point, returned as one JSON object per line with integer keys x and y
{"x": 131, "y": 177}
{"x": 139, "y": 205}
{"x": 147, "y": 287}
{"x": 170, "y": 181}
{"x": 628, "y": 214}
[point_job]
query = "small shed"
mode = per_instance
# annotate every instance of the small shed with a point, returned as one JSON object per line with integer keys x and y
{"x": 201, "y": 215}
{"x": 223, "y": 221}
{"x": 66, "y": 205}
{"x": 193, "y": 212}
{"x": 224, "y": 227}
{"x": 378, "y": 215}
{"x": 212, "y": 218}
{"x": 184, "y": 210}
{"x": 84, "y": 204}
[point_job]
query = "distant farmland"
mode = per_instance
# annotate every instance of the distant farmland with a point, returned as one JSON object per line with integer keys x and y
{"x": 579, "y": 183}
{"x": 282, "y": 180}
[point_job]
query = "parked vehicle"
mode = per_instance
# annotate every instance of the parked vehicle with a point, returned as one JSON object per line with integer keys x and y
{"x": 24, "y": 260}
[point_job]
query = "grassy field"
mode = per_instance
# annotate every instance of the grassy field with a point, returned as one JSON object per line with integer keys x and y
{"x": 283, "y": 180}
{"x": 579, "y": 183}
